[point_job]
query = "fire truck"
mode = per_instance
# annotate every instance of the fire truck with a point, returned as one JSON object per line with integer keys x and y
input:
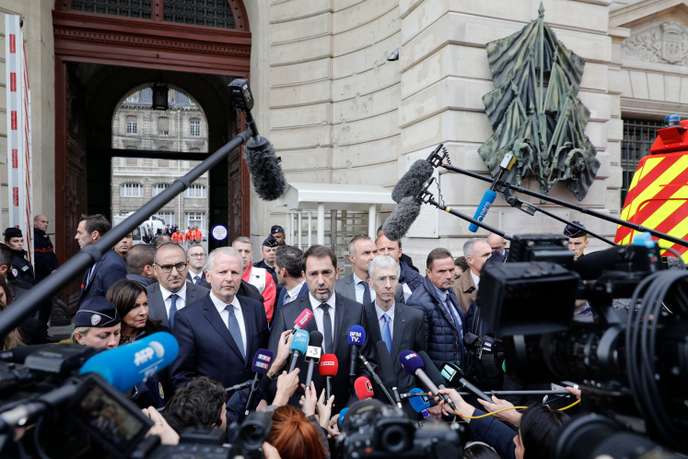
{"x": 658, "y": 194}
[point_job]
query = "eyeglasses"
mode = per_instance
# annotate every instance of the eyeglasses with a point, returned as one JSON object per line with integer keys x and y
{"x": 168, "y": 268}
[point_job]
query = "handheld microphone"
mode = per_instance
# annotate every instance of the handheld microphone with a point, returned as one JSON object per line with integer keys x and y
{"x": 357, "y": 339}
{"x": 342, "y": 417}
{"x": 480, "y": 213}
{"x": 298, "y": 347}
{"x": 418, "y": 402}
{"x": 363, "y": 388}
{"x": 329, "y": 366}
{"x": 313, "y": 353}
{"x": 413, "y": 365}
{"x": 126, "y": 366}
{"x": 454, "y": 376}
{"x": 402, "y": 217}
{"x": 265, "y": 168}
{"x": 261, "y": 364}
{"x": 412, "y": 182}
{"x": 305, "y": 316}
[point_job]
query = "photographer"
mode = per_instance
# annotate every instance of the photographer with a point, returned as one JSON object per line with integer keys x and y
{"x": 197, "y": 404}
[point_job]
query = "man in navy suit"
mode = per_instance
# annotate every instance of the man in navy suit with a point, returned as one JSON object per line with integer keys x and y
{"x": 289, "y": 263}
{"x": 219, "y": 334}
{"x": 104, "y": 272}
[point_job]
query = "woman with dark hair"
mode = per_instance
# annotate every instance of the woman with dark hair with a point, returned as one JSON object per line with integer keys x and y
{"x": 294, "y": 436}
{"x": 537, "y": 434}
{"x": 131, "y": 301}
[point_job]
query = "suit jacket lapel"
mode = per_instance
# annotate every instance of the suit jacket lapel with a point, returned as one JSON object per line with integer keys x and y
{"x": 212, "y": 316}
{"x": 251, "y": 329}
{"x": 159, "y": 304}
{"x": 339, "y": 313}
{"x": 373, "y": 325}
{"x": 399, "y": 330}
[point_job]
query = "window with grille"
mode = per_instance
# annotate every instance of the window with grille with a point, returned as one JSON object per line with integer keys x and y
{"x": 209, "y": 13}
{"x": 196, "y": 191}
{"x": 168, "y": 217}
{"x": 131, "y": 190}
{"x": 638, "y": 136}
{"x": 159, "y": 188}
{"x": 128, "y": 8}
{"x": 195, "y": 127}
{"x": 195, "y": 219}
{"x": 132, "y": 127}
{"x": 163, "y": 125}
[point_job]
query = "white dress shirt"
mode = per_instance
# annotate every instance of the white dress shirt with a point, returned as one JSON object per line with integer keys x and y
{"x": 476, "y": 278}
{"x": 221, "y": 307}
{"x": 379, "y": 311}
{"x": 195, "y": 276}
{"x": 358, "y": 288}
{"x": 318, "y": 312}
{"x": 181, "y": 300}
{"x": 293, "y": 293}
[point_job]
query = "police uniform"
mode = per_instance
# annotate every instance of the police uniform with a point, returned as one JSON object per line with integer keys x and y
{"x": 20, "y": 267}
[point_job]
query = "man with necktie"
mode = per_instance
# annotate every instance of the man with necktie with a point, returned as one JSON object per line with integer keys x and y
{"x": 196, "y": 259}
{"x": 355, "y": 286}
{"x": 333, "y": 313}
{"x": 289, "y": 263}
{"x": 219, "y": 334}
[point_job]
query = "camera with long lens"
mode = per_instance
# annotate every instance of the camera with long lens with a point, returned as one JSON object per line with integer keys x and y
{"x": 374, "y": 430}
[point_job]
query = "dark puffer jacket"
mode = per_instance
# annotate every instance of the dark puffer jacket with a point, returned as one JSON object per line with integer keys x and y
{"x": 444, "y": 341}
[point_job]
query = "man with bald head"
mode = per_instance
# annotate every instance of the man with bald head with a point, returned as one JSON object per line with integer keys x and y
{"x": 44, "y": 252}
{"x": 172, "y": 292}
{"x": 498, "y": 245}
{"x": 477, "y": 252}
{"x": 219, "y": 334}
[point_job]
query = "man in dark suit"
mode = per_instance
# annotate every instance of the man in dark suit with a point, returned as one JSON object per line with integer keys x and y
{"x": 172, "y": 292}
{"x": 104, "y": 272}
{"x": 219, "y": 334}
{"x": 334, "y": 314}
{"x": 355, "y": 286}
{"x": 399, "y": 326}
{"x": 196, "y": 258}
{"x": 141, "y": 264}
{"x": 289, "y": 263}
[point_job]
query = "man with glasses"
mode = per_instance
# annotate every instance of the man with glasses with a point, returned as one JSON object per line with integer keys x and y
{"x": 197, "y": 259}
{"x": 172, "y": 291}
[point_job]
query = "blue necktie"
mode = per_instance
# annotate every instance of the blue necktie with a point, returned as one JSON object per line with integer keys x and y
{"x": 366, "y": 292}
{"x": 173, "y": 308}
{"x": 387, "y": 332}
{"x": 234, "y": 330}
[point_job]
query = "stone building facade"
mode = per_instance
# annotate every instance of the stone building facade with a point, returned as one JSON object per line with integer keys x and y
{"x": 353, "y": 91}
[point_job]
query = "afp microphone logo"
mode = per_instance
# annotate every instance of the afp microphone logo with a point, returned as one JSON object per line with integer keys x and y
{"x": 148, "y": 353}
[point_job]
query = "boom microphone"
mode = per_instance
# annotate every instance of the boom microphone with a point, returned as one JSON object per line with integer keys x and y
{"x": 401, "y": 218}
{"x": 313, "y": 353}
{"x": 265, "y": 168}
{"x": 298, "y": 347}
{"x": 413, "y": 181}
{"x": 413, "y": 365}
{"x": 328, "y": 368}
{"x": 480, "y": 213}
{"x": 125, "y": 366}
{"x": 357, "y": 339}
{"x": 363, "y": 388}
{"x": 261, "y": 364}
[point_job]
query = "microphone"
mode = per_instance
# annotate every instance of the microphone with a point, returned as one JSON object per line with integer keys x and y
{"x": 261, "y": 364}
{"x": 454, "y": 376}
{"x": 413, "y": 365}
{"x": 342, "y": 417}
{"x": 313, "y": 353}
{"x": 363, "y": 388}
{"x": 239, "y": 386}
{"x": 357, "y": 339}
{"x": 488, "y": 198}
{"x": 265, "y": 168}
{"x": 298, "y": 347}
{"x": 401, "y": 218}
{"x": 125, "y": 366}
{"x": 387, "y": 370}
{"x": 418, "y": 402}
{"x": 305, "y": 316}
{"x": 413, "y": 181}
{"x": 329, "y": 365}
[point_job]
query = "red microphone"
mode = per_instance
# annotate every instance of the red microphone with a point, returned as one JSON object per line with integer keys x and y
{"x": 302, "y": 319}
{"x": 363, "y": 388}
{"x": 329, "y": 365}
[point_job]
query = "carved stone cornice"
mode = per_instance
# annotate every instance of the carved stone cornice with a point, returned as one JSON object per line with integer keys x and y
{"x": 665, "y": 43}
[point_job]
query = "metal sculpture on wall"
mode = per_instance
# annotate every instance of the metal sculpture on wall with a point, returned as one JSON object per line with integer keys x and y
{"x": 535, "y": 112}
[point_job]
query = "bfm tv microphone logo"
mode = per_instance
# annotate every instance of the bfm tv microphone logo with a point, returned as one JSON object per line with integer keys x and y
{"x": 356, "y": 337}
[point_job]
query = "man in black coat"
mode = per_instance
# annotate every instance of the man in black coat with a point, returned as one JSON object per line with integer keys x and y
{"x": 333, "y": 316}
{"x": 219, "y": 334}
{"x": 45, "y": 259}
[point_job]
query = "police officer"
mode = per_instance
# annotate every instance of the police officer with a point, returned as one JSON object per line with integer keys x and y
{"x": 21, "y": 268}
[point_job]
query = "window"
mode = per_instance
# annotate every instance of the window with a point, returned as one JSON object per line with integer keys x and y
{"x": 130, "y": 8}
{"x": 168, "y": 217}
{"x": 210, "y": 13}
{"x": 131, "y": 125}
{"x": 195, "y": 191}
{"x": 159, "y": 188}
{"x": 638, "y": 136}
{"x": 195, "y": 127}
{"x": 195, "y": 219}
{"x": 131, "y": 190}
{"x": 163, "y": 125}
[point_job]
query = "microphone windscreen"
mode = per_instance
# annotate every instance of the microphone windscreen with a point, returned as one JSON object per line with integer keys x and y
{"x": 431, "y": 369}
{"x": 401, "y": 218}
{"x": 356, "y": 336}
{"x": 300, "y": 341}
{"x": 125, "y": 366}
{"x": 419, "y": 403}
{"x": 342, "y": 416}
{"x": 315, "y": 339}
{"x": 262, "y": 360}
{"x": 410, "y": 361}
{"x": 385, "y": 364}
{"x": 329, "y": 365}
{"x": 363, "y": 388}
{"x": 305, "y": 316}
{"x": 265, "y": 169}
{"x": 412, "y": 182}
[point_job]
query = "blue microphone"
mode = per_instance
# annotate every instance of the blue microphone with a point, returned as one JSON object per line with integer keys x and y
{"x": 125, "y": 366}
{"x": 488, "y": 198}
{"x": 342, "y": 417}
{"x": 356, "y": 338}
{"x": 419, "y": 403}
{"x": 299, "y": 345}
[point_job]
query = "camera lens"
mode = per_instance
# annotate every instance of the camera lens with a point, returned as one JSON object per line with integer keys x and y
{"x": 394, "y": 439}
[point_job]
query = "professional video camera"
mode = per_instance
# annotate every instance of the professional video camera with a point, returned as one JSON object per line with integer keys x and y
{"x": 372, "y": 429}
